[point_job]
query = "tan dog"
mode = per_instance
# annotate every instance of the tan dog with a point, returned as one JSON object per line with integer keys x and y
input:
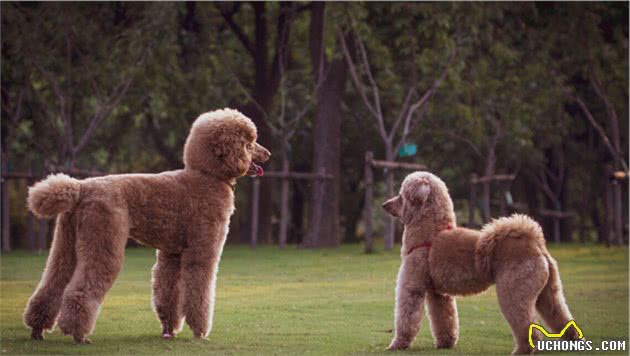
{"x": 440, "y": 261}
{"x": 184, "y": 214}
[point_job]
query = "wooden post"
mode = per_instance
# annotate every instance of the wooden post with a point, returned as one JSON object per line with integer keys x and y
{"x": 6, "y": 230}
{"x": 255, "y": 203}
{"x": 284, "y": 205}
{"x": 43, "y": 234}
{"x": 616, "y": 190}
{"x": 30, "y": 232}
{"x": 502, "y": 205}
{"x": 608, "y": 205}
{"x": 472, "y": 201}
{"x": 30, "y": 228}
{"x": 556, "y": 229}
{"x": 369, "y": 197}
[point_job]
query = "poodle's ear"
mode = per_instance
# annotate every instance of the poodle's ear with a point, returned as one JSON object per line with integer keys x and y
{"x": 226, "y": 149}
{"x": 394, "y": 206}
{"x": 420, "y": 195}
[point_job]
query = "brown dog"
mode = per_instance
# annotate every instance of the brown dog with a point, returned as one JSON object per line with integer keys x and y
{"x": 184, "y": 214}
{"x": 440, "y": 261}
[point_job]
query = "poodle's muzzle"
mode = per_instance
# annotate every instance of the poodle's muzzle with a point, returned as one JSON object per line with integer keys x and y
{"x": 260, "y": 156}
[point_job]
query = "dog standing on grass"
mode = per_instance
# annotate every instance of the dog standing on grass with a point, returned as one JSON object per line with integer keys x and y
{"x": 440, "y": 261}
{"x": 184, "y": 214}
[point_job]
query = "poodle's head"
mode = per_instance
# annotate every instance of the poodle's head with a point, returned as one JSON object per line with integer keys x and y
{"x": 422, "y": 194}
{"x": 223, "y": 143}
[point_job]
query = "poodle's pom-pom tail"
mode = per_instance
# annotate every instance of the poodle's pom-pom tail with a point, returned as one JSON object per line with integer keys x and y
{"x": 517, "y": 226}
{"x": 54, "y": 195}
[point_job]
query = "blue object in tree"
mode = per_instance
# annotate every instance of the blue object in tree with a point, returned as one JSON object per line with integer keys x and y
{"x": 408, "y": 150}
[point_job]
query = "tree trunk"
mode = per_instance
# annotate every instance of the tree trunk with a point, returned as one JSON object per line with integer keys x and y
{"x": 389, "y": 185}
{"x": 266, "y": 83}
{"x": 6, "y": 229}
{"x": 616, "y": 187}
{"x": 369, "y": 198}
{"x": 296, "y": 231}
{"x": 324, "y": 214}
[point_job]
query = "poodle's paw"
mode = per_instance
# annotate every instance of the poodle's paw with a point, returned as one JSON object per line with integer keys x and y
{"x": 398, "y": 345}
{"x": 37, "y": 334}
{"x": 82, "y": 340}
{"x": 445, "y": 344}
{"x": 200, "y": 336}
{"x": 167, "y": 336}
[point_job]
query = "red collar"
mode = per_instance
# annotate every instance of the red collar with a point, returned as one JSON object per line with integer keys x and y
{"x": 427, "y": 244}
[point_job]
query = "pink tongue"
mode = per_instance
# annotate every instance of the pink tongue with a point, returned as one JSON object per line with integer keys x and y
{"x": 259, "y": 171}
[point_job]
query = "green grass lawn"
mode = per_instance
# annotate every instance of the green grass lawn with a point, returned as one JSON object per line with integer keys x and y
{"x": 324, "y": 302}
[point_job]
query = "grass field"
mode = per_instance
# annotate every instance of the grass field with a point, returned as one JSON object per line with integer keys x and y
{"x": 324, "y": 302}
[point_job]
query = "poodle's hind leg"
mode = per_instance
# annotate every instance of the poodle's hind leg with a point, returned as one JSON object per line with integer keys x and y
{"x": 102, "y": 234}
{"x": 199, "y": 268}
{"x": 410, "y": 292}
{"x": 43, "y": 307}
{"x": 167, "y": 289}
{"x": 518, "y": 286}
{"x": 442, "y": 312}
{"x": 552, "y": 306}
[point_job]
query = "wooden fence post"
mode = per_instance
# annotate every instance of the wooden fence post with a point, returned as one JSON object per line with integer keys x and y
{"x": 43, "y": 234}
{"x": 6, "y": 230}
{"x": 556, "y": 229}
{"x": 255, "y": 203}
{"x": 502, "y": 190}
{"x": 608, "y": 206}
{"x": 472, "y": 201}
{"x": 284, "y": 206}
{"x": 369, "y": 197}
{"x": 618, "y": 219}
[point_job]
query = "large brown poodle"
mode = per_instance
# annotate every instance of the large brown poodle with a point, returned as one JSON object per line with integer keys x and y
{"x": 440, "y": 261}
{"x": 184, "y": 214}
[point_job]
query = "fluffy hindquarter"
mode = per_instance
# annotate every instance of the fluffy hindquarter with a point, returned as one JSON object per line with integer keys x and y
{"x": 53, "y": 195}
{"x": 507, "y": 240}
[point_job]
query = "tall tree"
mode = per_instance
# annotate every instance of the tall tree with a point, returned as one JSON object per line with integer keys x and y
{"x": 329, "y": 71}
{"x": 262, "y": 90}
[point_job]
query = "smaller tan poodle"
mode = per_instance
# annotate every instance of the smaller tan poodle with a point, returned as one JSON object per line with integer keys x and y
{"x": 184, "y": 214}
{"x": 441, "y": 261}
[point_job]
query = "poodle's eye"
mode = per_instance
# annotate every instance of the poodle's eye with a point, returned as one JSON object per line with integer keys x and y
{"x": 249, "y": 146}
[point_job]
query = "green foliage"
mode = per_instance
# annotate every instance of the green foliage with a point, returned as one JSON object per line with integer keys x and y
{"x": 328, "y": 302}
{"x": 515, "y": 67}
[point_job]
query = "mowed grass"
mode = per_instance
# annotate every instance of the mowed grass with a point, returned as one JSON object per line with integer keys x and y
{"x": 323, "y": 302}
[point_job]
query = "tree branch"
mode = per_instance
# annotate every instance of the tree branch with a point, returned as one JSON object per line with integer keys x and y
{"x": 600, "y": 130}
{"x": 423, "y": 101}
{"x": 368, "y": 70}
{"x": 242, "y": 37}
{"x": 359, "y": 86}
{"x": 101, "y": 115}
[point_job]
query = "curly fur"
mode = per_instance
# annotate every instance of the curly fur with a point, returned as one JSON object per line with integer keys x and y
{"x": 441, "y": 261}
{"x": 56, "y": 194}
{"x": 184, "y": 214}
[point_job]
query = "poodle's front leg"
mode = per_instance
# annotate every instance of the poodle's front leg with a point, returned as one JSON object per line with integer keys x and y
{"x": 442, "y": 311}
{"x": 199, "y": 276}
{"x": 410, "y": 290}
{"x": 167, "y": 289}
